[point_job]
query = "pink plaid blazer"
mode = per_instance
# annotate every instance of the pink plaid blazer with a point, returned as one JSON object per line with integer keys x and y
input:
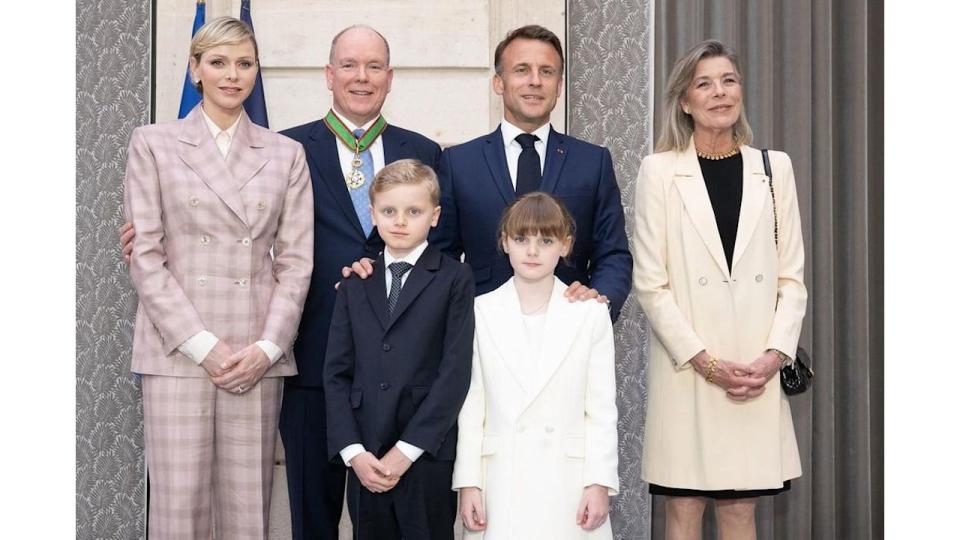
{"x": 205, "y": 227}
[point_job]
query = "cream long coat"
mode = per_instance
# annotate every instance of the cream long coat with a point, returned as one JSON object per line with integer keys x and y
{"x": 205, "y": 228}
{"x": 696, "y": 437}
{"x": 533, "y": 444}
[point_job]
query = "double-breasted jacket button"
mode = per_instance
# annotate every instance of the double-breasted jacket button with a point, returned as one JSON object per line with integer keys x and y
{"x": 242, "y": 282}
{"x": 202, "y": 280}
{"x": 194, "y": 201}
{"x": 245, "y": 241}
{"x": 204, "y": 240}
{"x": 702, "y": 281}
{"x": 261, "y": 205}
{"x": 759, "y": 278}
{"x": 548, "y": 429}
{"x": 386, "y": 347}
{"x": 384, "y": 386}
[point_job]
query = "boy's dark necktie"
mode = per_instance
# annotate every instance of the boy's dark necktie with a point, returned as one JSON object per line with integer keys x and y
{"x": 528, "y": 166}
{"x": 397, "y": 270}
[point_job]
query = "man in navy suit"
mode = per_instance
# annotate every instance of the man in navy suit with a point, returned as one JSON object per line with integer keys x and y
{"x": 480, "y": 178}
{"x": 359, "y": 75}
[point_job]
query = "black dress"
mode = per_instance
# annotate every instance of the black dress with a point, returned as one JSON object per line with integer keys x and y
{"x": 724, "y": 182}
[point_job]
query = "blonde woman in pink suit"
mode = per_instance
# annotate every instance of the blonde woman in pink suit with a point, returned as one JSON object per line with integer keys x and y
{"x": 210, "y": 196}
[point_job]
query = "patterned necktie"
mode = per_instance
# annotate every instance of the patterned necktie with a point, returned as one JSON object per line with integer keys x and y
{"x": 528, "y": 166}
{"x": 397, "y": 269}
{"x": 360, "y": 196}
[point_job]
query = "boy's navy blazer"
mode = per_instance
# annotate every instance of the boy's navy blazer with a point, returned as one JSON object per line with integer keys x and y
{"x": 402, "y": 376}
{"x": 475, "y": 189}
{"x": 338, "y": 237}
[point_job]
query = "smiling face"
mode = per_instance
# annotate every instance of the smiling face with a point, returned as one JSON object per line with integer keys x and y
{"x": 530, "y": 82}
{"x": 403, "y": 215}
{"x": 359, "y": 75}
{"x": 714, "y": 97}
{"x": 227, "y": 73}
{"x": 534, "y": 256}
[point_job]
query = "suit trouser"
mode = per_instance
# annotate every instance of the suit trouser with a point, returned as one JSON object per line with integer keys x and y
{"x": 420, "y": 507}
{"x": 314, "y": 483}
{"x": 209, "y": 452}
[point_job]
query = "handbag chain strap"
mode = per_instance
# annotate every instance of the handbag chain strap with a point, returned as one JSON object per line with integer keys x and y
{"x": 773, "y": 196}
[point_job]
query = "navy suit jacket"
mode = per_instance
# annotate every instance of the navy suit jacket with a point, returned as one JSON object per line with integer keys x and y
{"x": 475, "y": 188}
{"x": 402, "y": 376}
{"x": 338, "y": 238}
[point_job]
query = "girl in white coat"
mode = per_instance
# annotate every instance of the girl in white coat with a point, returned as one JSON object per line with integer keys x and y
{"x": 537, "y": 447}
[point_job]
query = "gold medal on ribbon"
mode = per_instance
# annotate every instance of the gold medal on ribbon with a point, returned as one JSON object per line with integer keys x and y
{"x": 355, "y": 179}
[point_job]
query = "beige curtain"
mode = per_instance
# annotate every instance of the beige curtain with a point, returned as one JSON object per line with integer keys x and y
{"x": 814, "y": 88}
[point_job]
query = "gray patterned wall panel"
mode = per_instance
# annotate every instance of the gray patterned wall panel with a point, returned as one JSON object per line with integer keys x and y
{"x": 609, "y": 83}
{"x": 113, "y": 93}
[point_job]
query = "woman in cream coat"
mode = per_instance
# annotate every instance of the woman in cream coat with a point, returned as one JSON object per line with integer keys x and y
{"x": 725, "y": 300}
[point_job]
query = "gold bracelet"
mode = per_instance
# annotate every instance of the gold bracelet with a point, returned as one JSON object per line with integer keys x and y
{"x": 711, "y": 369}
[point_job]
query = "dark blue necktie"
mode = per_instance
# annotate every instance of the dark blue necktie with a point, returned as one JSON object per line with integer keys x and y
{"x": 528, "y": 166}
{"x": 397, "y": 269}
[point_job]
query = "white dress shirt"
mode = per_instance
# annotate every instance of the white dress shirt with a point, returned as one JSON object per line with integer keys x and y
{"x": 198, "y": 346}
{"x": 412, "y": 452}
{"x": 513, "y": 148}
{"x": 345, "y": 153}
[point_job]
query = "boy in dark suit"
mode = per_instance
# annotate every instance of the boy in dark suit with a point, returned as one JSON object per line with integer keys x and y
{"x": 398, "y": 367}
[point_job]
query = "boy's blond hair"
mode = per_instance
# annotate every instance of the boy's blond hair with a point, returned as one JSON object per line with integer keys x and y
{"x": 406, "y": 172}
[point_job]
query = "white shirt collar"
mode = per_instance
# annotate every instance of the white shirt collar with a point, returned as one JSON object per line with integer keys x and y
{"x": 215, "y": 129}
{"x": 510, "y": 132}
{"x": 350, "y": 125}
{"x": 411, "y": 257}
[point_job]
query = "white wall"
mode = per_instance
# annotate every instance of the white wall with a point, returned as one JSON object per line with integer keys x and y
{"x": 441, "y": 51}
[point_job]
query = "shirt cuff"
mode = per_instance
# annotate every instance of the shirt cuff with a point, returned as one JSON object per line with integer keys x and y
{"x": 350, "y": 452}
{"x": 199, "y": 346}
{"x": 412, "y": 452}
{"x": 271, "y": 349}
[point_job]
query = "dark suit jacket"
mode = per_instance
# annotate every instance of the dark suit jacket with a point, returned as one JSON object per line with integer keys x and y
{"x": 338, "y": 238}
{"x": 475, "y": 188}
{"x": 402, "y": 377}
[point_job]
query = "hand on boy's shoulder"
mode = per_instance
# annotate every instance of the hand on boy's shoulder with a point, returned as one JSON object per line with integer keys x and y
{"x": 362, "y": 269}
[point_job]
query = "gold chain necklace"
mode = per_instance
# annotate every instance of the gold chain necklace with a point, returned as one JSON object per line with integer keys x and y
{"x": 719, "y": 155}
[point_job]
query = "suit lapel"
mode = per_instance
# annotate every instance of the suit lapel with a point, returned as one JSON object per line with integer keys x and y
{"x": 553, "y": 162}
{"x": 496, "y": 158}
{"x": 394, "y": 146}
{"x": 199, "y": 151}
{"x": 756, "y": 193}
{"x": 321, "y": 150}
{"x": 559, "y": 331}
{"x": 506, "y": 323}
{"x": 693, "y": 191}
{"x": 375, "y": 288}
{"x": 247, "y": 155}
{"x": 420, "y": 276}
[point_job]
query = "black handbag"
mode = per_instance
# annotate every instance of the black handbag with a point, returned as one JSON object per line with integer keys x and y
{"x": 796, "y": 377}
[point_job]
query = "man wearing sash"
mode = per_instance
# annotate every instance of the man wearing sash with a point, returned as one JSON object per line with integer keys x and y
{"x": 480, "y": 178}
{"x": 344, "y": 151}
